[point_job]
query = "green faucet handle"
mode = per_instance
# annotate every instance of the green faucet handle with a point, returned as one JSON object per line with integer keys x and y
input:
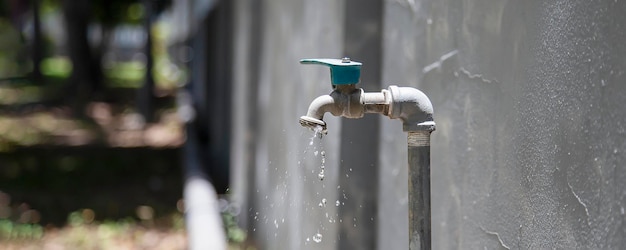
{"x": 342, "y": 71}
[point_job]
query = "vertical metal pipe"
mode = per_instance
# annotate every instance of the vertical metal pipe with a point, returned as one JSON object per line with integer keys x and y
{"x": 419, "y": 189}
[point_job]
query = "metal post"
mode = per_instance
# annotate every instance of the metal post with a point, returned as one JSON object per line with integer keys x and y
{"x": 419, "y": 190}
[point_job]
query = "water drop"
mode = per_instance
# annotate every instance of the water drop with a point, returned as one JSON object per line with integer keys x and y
{"x": 315, "y": 153}
{"x": 321, "y": 175}
{"x": 337, "y": 203}
{"x": 308, "y": 239}
{"x": 323, "y": 153}
{"x": 324, "y": 201}
{"x": 317, "y": 238}
{"x": 317, "y": 133}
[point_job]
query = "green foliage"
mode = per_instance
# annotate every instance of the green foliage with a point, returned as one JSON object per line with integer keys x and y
{"x": 18, "y": 231}
{"x": 131, "y": 74}
{"x": 125, "y": 74}
{"x": 49, "y": 6}
{"x": 12, "y": 49}
{"x": 75, "y": 219}
{"x": 178, "y": 222}
{"x": 112, "y": 12}
{"x": 233, "y": 232}
{"x": 60, "y": 67}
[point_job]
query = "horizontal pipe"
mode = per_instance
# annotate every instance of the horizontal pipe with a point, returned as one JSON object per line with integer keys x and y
{"x": 376, "y": 102}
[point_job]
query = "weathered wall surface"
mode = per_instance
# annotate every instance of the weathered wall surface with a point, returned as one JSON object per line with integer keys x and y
{"x": 530, "y": 147}
{"x": 274, "y": 167}
{"x": 529, "y": 102}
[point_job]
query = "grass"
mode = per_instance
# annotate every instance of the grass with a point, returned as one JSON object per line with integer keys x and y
{"x": 81, "y": 233}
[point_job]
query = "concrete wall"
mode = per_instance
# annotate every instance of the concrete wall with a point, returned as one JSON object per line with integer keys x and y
{"x": 274, "y": 180}
{"x": 530, "y": 147}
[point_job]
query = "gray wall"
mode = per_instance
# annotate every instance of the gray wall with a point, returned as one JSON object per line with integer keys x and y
{"x": 530, "y": 147}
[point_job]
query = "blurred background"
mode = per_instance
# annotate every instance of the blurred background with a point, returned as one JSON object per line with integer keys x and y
{"x": 90, "y": 138}
{"x": 121, "y": 119}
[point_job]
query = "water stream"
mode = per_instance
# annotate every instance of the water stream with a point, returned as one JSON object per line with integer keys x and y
{"x": 318, "y": 151}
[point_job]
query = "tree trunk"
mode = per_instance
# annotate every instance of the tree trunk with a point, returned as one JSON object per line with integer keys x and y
{"x": 85, "y": 78}
{"x": 37, "y": 44}
{"x": 145, "y": 96}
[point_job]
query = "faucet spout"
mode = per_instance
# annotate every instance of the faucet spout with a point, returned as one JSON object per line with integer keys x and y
{"x": 315, "y": 115}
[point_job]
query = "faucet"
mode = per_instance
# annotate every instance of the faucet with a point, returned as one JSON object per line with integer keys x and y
{"x": 408, "y": 104}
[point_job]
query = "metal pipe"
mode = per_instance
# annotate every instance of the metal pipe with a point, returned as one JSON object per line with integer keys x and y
{"x": 376, "y": 102}
{"x": 419, "y": 190}
{"x": 415, "y": 110}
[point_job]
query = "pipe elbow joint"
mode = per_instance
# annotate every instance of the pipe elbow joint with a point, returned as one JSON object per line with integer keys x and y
{"x": 413, "y": 107}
